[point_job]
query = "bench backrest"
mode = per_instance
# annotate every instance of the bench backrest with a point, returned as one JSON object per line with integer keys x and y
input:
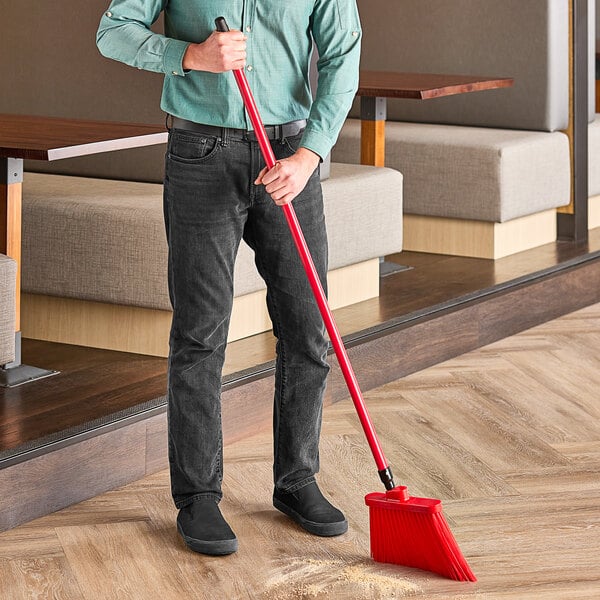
{"x": 50, "y": 66}
{"x": 524, "y": 39}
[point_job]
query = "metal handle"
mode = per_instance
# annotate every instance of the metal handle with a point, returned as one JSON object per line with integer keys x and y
{"x": 311, "y": 272}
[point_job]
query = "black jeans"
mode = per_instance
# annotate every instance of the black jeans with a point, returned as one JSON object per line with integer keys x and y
{"x": 210, "y": 204}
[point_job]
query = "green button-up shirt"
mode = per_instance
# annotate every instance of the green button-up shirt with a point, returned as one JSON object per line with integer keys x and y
{"x": 279, "y": 46}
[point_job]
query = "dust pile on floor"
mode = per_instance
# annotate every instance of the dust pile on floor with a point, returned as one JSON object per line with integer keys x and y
{"x": 334, "y": 578}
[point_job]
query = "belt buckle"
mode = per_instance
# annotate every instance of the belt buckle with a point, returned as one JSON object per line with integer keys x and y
{"x": 270, "y": 130}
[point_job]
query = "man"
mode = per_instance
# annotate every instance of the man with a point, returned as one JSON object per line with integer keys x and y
{"x": 218, "y": 191}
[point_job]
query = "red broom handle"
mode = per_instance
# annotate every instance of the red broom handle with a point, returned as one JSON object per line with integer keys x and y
{"x": 311, "y": 272}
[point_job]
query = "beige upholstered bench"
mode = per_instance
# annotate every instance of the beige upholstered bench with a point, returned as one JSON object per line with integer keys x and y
{"x": 95, "y": 257}
{"x": 483, "y": 172}
{"x": 473, "y": 191}
{"x": 8, "y": 274}
{"x": 94, "y": 252}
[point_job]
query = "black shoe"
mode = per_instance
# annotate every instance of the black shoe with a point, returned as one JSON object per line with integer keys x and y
{"x": 311, "y": 510}
{"x": 203, "y": 528}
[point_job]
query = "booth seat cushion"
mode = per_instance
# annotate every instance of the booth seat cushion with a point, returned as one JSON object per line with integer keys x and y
{"x": 104, "y": 240}
{"x": 471, "y": 173}
{"x": 8, "y": 277}
{"x": 594, "y": 157}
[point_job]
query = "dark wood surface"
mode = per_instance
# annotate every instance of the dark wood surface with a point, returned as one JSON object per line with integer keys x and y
{"x": 95, "y": 383}
{"x": 424, "y": 85}
{"x": 48, "y": 138}
{"x": 436, "y": 279}
{"x": 92, "y": 383}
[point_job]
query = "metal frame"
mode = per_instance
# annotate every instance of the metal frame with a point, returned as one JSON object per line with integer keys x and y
{"x": 16, "y": 373}
{"x": 11, "y": 170}
{"x": 574, "y": 227}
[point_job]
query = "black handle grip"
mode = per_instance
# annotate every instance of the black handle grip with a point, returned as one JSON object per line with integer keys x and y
{"x": 221, "y": 24}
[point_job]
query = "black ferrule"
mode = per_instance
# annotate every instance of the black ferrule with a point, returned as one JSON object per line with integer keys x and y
{"x": 221, "y": 24}
{"x": 387, "y": 478}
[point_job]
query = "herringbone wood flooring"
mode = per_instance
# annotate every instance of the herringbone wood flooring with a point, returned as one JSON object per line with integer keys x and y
{"x": 507, "y": 436}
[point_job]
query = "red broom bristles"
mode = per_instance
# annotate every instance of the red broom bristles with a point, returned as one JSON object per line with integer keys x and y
{"x": 413, "y": 532}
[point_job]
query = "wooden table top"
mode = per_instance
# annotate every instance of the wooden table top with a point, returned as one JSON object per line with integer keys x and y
{"x": 49, "y": 138}
{"x": 424, "y": 85}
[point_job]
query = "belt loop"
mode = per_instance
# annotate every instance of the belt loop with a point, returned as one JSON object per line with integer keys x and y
{"x": 279, "y": 133}
{"x": 167, "y": 125}
{"x": 224, "y": 137}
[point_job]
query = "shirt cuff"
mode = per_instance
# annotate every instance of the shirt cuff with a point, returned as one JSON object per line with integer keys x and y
{"x": 173, "y": 57}
{"x": 317, "y": 142}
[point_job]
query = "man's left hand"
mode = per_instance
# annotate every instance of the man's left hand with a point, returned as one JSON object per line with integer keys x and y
{"x": 289, "y": 176}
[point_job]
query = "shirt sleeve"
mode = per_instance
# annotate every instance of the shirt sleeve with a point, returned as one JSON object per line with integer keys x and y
{"x": 124, "y": 34}
{"x": 337, "y": 34}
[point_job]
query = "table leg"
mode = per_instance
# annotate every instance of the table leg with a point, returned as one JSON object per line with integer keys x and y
{"x": 10, "y": 220}
{"x": 11, "y": 181}
{"x": 373, "y": 113}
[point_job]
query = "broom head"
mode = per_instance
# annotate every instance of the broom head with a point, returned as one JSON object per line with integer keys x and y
{"x": 413, "y": 532}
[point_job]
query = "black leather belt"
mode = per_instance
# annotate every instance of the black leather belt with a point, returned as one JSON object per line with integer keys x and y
{"x": 274, "y": 132}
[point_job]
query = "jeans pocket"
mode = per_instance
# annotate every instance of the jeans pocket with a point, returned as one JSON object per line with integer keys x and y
{"x": 292, "y": 143}
{"x": 192, "y": 149}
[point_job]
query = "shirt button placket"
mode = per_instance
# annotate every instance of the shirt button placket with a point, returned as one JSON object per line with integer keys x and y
{"x": 248, "y": 30}
{"x": 247, "y": 27}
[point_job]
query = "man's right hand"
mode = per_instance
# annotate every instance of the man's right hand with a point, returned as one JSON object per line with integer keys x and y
{"x": 220, "y": 52}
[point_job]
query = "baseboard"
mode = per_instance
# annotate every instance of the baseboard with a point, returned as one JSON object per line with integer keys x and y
{"x": 146, "y": 331}
{"x": 81, "y": 470}
{"x": 594, "y": 212}
{"x": 478, "y": 239}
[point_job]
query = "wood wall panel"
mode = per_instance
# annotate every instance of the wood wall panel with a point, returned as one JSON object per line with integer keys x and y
{"x": 72, "y": 474}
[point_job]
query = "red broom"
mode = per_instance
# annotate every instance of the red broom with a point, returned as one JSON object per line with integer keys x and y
{"x": 404, "y": 530}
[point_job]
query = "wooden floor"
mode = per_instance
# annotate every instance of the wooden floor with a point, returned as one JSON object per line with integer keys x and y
{"x": 508, "y": 436}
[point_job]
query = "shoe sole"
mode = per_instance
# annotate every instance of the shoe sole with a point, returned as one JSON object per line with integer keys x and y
{"x": 320, "y": 529}
{"x": 210, "y": 547}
